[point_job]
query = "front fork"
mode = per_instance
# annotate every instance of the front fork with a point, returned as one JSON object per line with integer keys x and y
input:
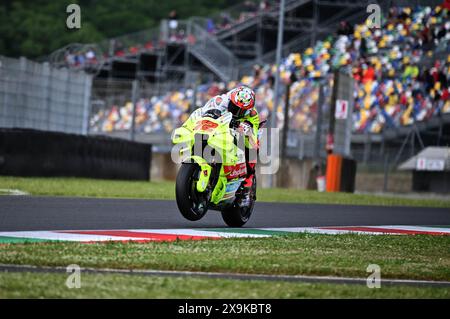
{"x": 204, "y": 175}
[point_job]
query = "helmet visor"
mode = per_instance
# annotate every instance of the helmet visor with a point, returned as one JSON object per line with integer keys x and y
{"x": 235, "y": 110}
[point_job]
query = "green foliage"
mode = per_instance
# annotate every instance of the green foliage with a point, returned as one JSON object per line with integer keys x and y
{"x": 36, "y": 28}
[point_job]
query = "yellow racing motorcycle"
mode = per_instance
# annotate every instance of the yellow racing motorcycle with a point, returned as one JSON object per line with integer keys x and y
{"x": 213, "y": 168}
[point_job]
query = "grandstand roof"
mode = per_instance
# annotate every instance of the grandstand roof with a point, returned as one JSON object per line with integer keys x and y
{"x": 431, "y": 159}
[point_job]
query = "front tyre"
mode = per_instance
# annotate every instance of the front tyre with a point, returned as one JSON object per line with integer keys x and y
{"x": 192, "y": 204}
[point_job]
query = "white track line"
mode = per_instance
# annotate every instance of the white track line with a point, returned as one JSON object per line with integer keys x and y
{"x": 50, "y": 235}
{"x": 415, "y": 228}
{"x": 85, "y": 237}
{"x": 314, "y": 230}
{"x": 194, "y": 232}
{"x": 222, "y": 275}
{"x": 15, "y": 192}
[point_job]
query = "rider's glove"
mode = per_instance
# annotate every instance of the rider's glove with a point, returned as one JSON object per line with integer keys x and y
{"x": 234, "y": 123}
{"x": 245, "y": 128}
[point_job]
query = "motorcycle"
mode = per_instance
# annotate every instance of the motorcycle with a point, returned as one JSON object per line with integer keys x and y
{"x": 212, "y": 168}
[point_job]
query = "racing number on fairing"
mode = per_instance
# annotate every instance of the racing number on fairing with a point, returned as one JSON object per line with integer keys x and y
{"x": 205, "y": 125}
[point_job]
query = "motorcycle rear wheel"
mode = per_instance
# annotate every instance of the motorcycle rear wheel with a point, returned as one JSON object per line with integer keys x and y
{"x": 192, "y": 205}
{"x": 236, "y": 216}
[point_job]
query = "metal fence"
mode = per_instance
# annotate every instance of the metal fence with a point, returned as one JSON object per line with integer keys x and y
{"x": 158, "y": 109}
{"x": 148, "y": 112}
{"x": 309, "y": 118}
{"x": 139, "y": 110}
{"x": 212, "y": 53}
{"x": 37, "y": 96}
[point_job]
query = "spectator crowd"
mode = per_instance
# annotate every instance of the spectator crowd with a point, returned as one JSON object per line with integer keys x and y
{"x": 401, "y": 74}
{"x": 173, "y": 31}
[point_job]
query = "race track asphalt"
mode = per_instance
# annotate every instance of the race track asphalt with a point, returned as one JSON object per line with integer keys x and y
{"x": 22, "y": 213}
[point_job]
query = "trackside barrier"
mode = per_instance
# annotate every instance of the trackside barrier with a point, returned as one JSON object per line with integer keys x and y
{"x": 348, "y": 175}
{"x": 333, "y": 175}
{"x": 340, "y": 174}
{"x": 26, "y": 152}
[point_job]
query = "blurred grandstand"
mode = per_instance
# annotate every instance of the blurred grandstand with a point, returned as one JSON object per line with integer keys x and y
{"x": 401, "y": 71}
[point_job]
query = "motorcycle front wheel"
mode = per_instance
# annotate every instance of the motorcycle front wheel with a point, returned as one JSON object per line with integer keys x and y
{"x": 192, "y": 204}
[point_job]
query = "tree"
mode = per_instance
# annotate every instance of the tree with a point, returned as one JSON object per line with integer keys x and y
{"x": 37, "y": 28}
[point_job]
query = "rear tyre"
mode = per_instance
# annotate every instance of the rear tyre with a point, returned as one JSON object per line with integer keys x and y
{"x": 192, "y": 204}
{"x": 236, "y": 216}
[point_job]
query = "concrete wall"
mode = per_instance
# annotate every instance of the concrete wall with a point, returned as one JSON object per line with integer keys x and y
{"x": 163, "y": 168}
{"x": 398, "y": 182}
{"x": 292, "y": 173}
{"x": 295, "y": 173}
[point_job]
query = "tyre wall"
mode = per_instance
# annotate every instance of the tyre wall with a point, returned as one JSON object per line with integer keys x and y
{"x": 25, "y": 152}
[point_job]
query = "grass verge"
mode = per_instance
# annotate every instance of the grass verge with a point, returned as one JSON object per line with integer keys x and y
{"x": 166, "y": 190}
{"x": 406, "y": 257}
{"x": 41, "y": 285}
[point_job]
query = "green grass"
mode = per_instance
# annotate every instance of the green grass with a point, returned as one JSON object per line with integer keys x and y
{"x": 89, "y": 187}
{"x": 407, "y": 257}
{"x": 166, "y": 190}
{"x": 41, "y": 285}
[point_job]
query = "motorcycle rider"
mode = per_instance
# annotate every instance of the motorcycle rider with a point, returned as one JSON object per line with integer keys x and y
{"x": 240, "y": 102}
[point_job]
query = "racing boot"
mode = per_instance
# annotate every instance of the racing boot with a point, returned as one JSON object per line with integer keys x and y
{"x": 245, "y": 198}
{"x": 246, "y": 188}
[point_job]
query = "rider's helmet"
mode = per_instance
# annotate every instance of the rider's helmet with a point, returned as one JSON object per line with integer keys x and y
{"x": 242, "y": 99}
